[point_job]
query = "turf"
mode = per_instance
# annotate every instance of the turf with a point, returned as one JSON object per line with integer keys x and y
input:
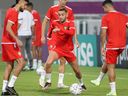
{"x": 27, "y": 83}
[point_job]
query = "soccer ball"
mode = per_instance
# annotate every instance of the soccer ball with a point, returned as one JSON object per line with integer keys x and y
{"x": 40, "y": 70}
{"x": 75, "y": 89}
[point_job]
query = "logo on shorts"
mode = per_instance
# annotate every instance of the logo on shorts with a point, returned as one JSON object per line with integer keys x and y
{"x": 19, "y": 53}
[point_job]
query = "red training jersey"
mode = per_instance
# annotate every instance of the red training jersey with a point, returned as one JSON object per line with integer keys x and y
{"x": 64, "y": 38}
{"x": 37, "y": 20}
{"x": 52, "y": 14}
{"x": 115, "y": 23}
{"x": 11, "y": 16}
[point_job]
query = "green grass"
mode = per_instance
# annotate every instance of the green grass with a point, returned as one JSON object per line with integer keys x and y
{"x": 27, "y": 83}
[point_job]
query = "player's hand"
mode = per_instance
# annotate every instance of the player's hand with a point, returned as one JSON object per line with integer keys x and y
{"x": 19, "y": 43}
{"x": 56, "y": 30}
{"x": 33, "y": 38}
{"x": 103, "y": 51}
{"x": 77, "y": 43}
{"x": 43, "y": 40}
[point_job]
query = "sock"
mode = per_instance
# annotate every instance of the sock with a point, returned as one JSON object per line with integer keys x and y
{"x": 5, "y": 83}
{"x": 81, "y": 81}
{"x": 43, "y": 74}
{"x": 48, "y": 77}
{"x": 113, "y": 86}
{"x": 61, "y": 78}
{"x": 39, "y": 63}
{"x": 100, "y": 77}
{"x": 12, "y": 81}
{"x": 35, "y": 63}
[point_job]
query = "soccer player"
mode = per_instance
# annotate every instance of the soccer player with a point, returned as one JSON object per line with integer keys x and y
{"x": 50, "y": 17}
{"x": 62, "y": 34}
{"x": 10, "y": 49}
{"x": 36, "y": 43}
{"x": 25, "y": 32}
{"x": 114, "y": 29}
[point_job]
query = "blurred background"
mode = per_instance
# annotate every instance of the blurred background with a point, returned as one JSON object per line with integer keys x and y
{"x": 88, "y": 15}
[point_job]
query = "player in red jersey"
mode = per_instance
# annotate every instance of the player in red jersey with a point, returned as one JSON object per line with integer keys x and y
{"x": 62, "y": 32}
{"x": 10, "y": 49}
{"x": 36, "y": 43}
{"x": 114, "y": 29}
{"x": 51, "y": 16}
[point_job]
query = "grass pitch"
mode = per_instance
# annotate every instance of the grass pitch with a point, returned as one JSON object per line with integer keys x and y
{"x": 27, "y": 83}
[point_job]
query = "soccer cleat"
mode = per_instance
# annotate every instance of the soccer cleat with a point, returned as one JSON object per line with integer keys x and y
{"x": 47, "y": 85}
{"x": 61, "y": 85}
{"x": 41, "y": 82}
{"x": 5, "y": 94}
{"x": 12, "y": 91}
{"x": 95, "y": 82}
{"x": 83, "y": 87}
{"x": 111, "y": 94}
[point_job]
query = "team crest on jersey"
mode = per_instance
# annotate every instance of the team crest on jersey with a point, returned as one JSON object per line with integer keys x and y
{"x": 66, "y": 28}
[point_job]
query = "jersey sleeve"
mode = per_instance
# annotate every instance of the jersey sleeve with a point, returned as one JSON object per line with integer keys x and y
{"x": 12, "y": 17}
{"x": 104, "y": 22}
{"x": 20, "y": 18}
{"x": 48, "y": 14}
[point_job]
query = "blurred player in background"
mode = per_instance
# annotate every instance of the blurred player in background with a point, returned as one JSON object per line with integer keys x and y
{"x": 63, "y": 31}
{"x": 10, "y": 49}
{"x": 50, "y": 17}
{"x": 25, "y": 33}
{"x": 114, "y": 31}
{"x": 36, "y": 43}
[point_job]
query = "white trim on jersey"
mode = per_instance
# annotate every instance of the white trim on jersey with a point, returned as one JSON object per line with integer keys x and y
{"x": 104, "y": 27}
{"x": 8, "y": 42}
{"x": 35, "y": 19}
{"x": 115, "y": 48}
{"x": 11, "y": 21}
{"x": 47, "y": 17}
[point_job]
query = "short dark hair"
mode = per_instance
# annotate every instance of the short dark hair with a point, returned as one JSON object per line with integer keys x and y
{"x": 16, "y": 2}
{"x": 30, "y": 4}
{"x": 107, "y": 2}
{"x": 63, "y": 9}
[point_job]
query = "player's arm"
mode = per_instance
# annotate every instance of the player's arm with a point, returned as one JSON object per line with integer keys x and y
{"x": 33, "y": 28}
{"x": 103, "y": 40}
{"x": 44, "y": 24}
{"x": 103, "y": 34}
{"x": 10, "y": 31}
{"x": 75, "y": 36}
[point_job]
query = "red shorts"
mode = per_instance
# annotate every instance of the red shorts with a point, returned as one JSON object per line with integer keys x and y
{"x": 50, "y": 44}
{"x": 10, "y": 52}
{"x": 37, "y": 43}
{"x": 68, "y": 55}
{"x": 111, "y": 56}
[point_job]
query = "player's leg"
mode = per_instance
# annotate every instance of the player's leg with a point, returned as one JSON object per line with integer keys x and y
{"x": 39, "y": 52}
{"x": 17, "y": 70}
{"x": 111, "y": 59}
{"x": 28, "y": 51}
{"x": 78, "y": 74}
{"x": 61, "y": 73}
{"x": 47, "y": 70}
{"x": 40, "y": 67}
{"x": 34, "y": 52}
{"x": 101, "y": 75}
{"x": 7, "y": 73}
